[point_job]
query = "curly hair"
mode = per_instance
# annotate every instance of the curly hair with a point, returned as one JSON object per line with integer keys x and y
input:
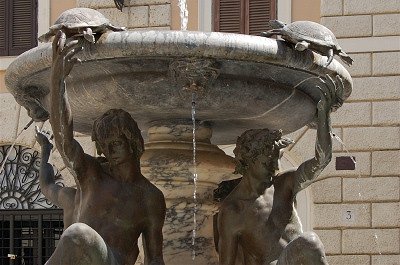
{"x": 116, "y": 122}
{"x": 256, "y": 142}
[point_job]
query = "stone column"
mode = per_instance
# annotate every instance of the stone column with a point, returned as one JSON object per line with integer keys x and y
{"x": 168, "y": 163}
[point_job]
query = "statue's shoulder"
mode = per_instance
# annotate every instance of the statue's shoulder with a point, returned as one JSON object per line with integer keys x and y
{"x": 149, "y": 189}
{"x": 284, "y": 176}
{"x": 233, "y": 205}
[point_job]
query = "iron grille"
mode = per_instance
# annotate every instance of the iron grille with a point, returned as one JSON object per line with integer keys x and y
{"x": 29, "y": 235}
{"x": 19, "y": 179}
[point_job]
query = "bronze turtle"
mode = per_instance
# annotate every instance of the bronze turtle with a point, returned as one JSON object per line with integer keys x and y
{"x": 84, "y": 22}
{"x": 309, "y": 35}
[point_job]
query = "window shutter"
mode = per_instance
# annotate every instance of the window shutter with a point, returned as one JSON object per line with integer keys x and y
{"x": 260, "y": 13}
{"x": 23, "y": 28}
{"x": 229, "y": 16}
{"x": 243, "y": 16}
{"x": 3, "y": 31}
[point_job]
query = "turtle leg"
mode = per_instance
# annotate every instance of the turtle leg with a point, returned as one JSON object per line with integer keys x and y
{"x": 114, "y": 28}
{"x": 301, "y": 46}
{"x": 88, "y": 35}
{"x": 330, "y": 57}
{"x": 345, "y": 58}
{"x": 271, "y": 32}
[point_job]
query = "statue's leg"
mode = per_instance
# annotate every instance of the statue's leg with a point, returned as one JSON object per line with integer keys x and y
{"x": 81, "y": 245}
{"x": 307, "y": 249}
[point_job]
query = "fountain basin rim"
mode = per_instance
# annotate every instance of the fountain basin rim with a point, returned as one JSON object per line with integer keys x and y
{"x": 294, "y": 75}
{"x": 184, "y": 44}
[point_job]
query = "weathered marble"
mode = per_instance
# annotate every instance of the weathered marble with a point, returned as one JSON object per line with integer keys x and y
{"x": 168, "y": 163}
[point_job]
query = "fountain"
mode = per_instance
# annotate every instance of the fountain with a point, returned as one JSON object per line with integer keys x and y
{"x": 241, "y": 82}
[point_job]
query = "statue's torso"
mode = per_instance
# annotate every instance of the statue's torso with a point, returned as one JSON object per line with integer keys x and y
{"x": 117, "y": 211}
{"x": 263, "y": 236}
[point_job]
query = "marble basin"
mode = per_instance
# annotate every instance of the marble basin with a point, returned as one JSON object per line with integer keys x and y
{"x": 240, "y": 81}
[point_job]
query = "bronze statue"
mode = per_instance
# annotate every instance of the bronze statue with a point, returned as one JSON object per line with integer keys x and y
{"x": 63, "y": 197}
{"x": 257, "y": 222}
{"x": 114, "y": 203}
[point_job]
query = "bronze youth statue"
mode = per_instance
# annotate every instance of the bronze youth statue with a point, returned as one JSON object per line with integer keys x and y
{"x": 114, "y": 202}
{"x": 257, "y": 222}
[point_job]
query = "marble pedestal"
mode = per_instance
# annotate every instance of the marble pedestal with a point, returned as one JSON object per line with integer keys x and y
{"x": 168, "y": 163}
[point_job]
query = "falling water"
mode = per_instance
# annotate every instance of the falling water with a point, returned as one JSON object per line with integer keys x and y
{"x": 12, "y": 145}
{"x": 184, "y": 13}
{"x": 194, "y": 176}
{"x": 352, "y": 159}
{"x": 344, "y": 146}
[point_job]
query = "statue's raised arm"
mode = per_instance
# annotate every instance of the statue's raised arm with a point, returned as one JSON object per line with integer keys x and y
{"x": 61, "y": 120}
{"x": 331, "y": 98}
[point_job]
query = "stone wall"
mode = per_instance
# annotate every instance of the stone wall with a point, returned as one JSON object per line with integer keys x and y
{"x": 357, "y": 213}
{"x": 138, "y": 14}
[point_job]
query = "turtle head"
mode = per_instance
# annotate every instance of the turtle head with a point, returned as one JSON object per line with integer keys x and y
{"x": 276, "y": 24}
{"x": 88, "y": 35}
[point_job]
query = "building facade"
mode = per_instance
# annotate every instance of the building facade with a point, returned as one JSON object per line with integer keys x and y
{"x": 355, "y": 212}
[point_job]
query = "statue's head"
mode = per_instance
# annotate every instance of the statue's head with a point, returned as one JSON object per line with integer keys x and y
{"x": 259, "y": 145}
{"x": 34, "y": 107}
{"x": 118, "y": 127}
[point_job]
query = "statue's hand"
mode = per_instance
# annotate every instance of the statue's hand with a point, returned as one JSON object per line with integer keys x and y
{"x": 331, "y": 94}
{"x": 64, "y": 51}
{"x": 43, "y": 137}
{"x": 284, "y": 142}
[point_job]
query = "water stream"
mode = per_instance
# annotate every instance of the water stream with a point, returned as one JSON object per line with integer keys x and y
{"x": 194, "y": 176}
{"x": 12, "y": 145}
{"x": 184, "y": 13}
{"x": 337, "y": 138}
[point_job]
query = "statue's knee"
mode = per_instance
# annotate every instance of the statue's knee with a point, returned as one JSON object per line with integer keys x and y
{"x": 311, "y": 240}
{"x": 311, "y": 248}
{"x": 77, "y": 234}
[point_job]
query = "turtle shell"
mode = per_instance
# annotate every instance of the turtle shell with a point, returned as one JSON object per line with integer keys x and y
{"x": 80, "y": 17}
{"x": 77, "y": 18}
{"x": 312, "y": 32}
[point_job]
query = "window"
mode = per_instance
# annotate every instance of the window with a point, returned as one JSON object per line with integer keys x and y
{"x": 243, "y": 16}
{"x": 29, "y": 236}
{"x": 30, "y": 225}
{"x": 18, "y": 26}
